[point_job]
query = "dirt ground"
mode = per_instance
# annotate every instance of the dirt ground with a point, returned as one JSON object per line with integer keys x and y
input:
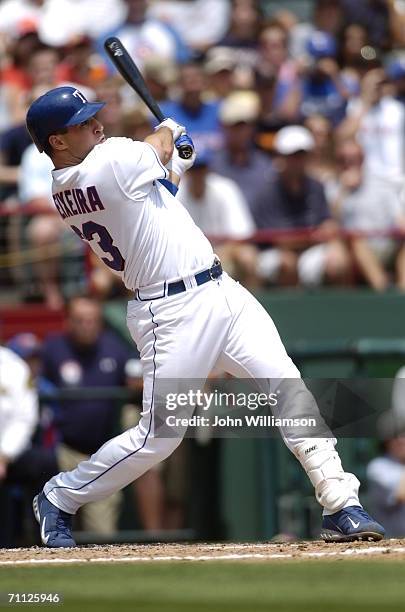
{"x": 392, "y": 549}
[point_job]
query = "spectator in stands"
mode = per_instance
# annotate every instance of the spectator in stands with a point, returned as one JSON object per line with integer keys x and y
{"x": 111, "y": 116}
{"x": 240, "y": 160}
{"x": 274, "y": 58}
{"x": 17, "y": 16}
{"x": 87, "y": 355}
{"x": 145, "y": 36}
{"x": 365, "y": 203}
{"x": 241, "y": 38}
{"x": 355, "y": 53}
{"x": 191, "y": 109}
{"x": 220, "y": 69}
{"x": 219, "y": 209}
{"x": 160, "y": 75}
{"x": 79, "y": 64}
{"x": 292, "y": 200}
{"x": 384, "y": 20}
{"x": 62, "y": 21}
{"x": 323, "y": 89}
{"x": 377, "y": 120}
{"x": 327, "y": 17}
{"x": 269, "y": 121}
{"x": 13, "y": 142}
{"x": 321, "y": 162}
{"x": 386, "y": 480}
{"x": 201, "y": 23}
{"x": 41, "y": 72}
{"x": 14, "y": 77}
{"x": 137, "y": 124}
{"x": 45, "y": 232}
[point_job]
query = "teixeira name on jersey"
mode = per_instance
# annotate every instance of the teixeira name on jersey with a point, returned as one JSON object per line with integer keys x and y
{"x": 72, "y": 202}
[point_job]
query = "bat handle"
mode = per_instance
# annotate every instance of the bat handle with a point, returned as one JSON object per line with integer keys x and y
{"x": 185, "y": 146}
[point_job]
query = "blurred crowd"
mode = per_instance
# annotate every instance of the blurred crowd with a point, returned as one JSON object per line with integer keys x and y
{"x": 299, "y": 125}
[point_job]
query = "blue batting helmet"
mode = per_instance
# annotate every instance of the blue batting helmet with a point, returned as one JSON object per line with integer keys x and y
{"x": 59, "y": 108}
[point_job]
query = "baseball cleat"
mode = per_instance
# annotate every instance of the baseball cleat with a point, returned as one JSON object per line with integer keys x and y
{"x": 56, "y": 525}
{"x": 350, "y": 524}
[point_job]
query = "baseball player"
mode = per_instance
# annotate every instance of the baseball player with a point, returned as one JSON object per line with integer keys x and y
{"x": 187, "y": 316}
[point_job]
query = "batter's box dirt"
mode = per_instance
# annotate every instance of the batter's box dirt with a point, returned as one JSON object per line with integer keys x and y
{"x": 260, "y": 552}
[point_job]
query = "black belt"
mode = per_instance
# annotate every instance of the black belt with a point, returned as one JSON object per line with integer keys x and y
{"x": 202, "y": 277}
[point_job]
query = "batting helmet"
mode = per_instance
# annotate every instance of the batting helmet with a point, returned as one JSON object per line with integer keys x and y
{"x": 59, "y": 108}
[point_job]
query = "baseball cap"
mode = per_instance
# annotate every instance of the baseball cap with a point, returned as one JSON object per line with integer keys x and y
{"x": 321, "y": 44}
{"x": 292, "y": 139}
{"x": 240, "y": 107}
{"x": 25, "y": 345}
{"x": 219, "y": 59}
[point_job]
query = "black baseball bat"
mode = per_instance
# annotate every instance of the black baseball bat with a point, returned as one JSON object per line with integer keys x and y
{"x": 131, "y": 73}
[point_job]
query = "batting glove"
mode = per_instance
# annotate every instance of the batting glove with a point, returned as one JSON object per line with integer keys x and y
{"x": 177, "y": 164}
{"x": 176, "y": 129}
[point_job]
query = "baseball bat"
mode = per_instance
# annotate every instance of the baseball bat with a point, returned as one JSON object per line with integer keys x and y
{"x": 131, "y": 73}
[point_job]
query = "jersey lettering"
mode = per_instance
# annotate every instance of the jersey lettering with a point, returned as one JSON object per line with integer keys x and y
{"x": 72, "y": 202}
{"x": 90, "y": 229}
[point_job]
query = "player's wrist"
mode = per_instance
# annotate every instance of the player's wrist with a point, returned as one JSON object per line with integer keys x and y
{"x": 176, "y": 129}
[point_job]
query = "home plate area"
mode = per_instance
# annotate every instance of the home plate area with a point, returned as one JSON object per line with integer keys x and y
{"x": 260, "y": 552}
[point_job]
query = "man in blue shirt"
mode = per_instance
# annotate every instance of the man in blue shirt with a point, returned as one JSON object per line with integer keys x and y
{"x": 199, "y": 115}
{"x": 291, "y": 200}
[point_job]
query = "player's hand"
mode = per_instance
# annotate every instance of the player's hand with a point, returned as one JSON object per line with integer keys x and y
{"x": 176, "y": 129}
{"x": 178, "y": 165}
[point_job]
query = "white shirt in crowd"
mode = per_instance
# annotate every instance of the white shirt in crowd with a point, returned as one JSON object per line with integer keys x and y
{"x": 194, "y": 19}
{"x": 113, "y": 199}
{"x": 222, "y": 211}
{"x": 148, "y": 40}
{"x": 382, "y": 136}
{"x": 60, "y": 21}
{"x": 35, "y": 179}
{"x": 18, "y": 405}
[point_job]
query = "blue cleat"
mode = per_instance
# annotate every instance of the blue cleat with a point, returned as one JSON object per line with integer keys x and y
{"x": 350, "y": 524}
{"x": 56, "y": 525}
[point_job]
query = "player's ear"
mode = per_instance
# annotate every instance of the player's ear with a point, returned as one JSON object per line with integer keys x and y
{"x": 57, "y": 142}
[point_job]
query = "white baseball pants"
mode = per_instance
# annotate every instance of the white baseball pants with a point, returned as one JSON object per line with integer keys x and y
{"x": 217, "y": 325}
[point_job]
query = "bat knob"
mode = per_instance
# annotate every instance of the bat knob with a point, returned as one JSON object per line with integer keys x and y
{"x": 185, "y": 146}
{"x": 185, "y": 151}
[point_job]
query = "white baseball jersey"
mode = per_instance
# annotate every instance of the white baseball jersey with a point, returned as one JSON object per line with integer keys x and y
{"x": 114, "y": 201}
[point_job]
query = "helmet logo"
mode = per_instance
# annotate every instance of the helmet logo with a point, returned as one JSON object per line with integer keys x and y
{"x": 79, "y": 95}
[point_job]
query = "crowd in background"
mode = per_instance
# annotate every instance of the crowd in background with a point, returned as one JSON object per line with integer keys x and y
{"x": 299, "y": 127}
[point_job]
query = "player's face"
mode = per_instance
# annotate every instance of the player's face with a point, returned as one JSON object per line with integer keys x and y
{"x": 80, "y": 139}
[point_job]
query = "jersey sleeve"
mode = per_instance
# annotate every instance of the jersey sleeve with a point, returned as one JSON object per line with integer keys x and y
{"x": 136, "y": 166}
